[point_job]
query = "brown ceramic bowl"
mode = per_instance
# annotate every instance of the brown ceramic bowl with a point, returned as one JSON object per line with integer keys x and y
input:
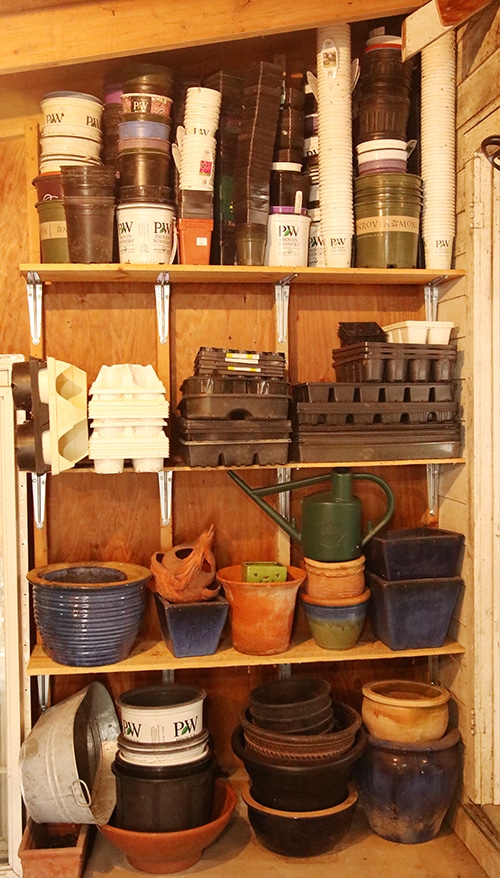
{"x": 161, "y": 853}
{"x": 300, "y": 833}
{"x": 290, "y": 749}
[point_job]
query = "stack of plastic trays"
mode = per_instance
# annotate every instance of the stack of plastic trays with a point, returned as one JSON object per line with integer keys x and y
{"x": 438, "y": 151}
{"x": 129, "y": 412}
{"x": 335, "y": 143}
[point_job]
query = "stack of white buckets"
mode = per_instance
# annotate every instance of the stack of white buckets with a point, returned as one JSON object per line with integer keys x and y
{"x": 71, "y": 133}
{"x": 128, "y": 408}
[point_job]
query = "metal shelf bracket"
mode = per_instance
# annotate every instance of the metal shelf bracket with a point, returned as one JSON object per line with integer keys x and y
{"x": 165, "y": 478}
{"x": 162, "y": 294}
{"x": 34, "y": 292}
{"x": 431, "y": 301}
{"x": 38, "y": 486}
{"x": 284, "y": 475}
{"x": 433, "y": 471}
{"x": 282, "y": 298}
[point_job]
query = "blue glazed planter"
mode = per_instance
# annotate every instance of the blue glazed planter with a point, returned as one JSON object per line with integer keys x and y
{"x": 337, "y": 626}
{"x": 88, "y": 614}
{"x": 406, "y": 789}
{"x": 192, "y": 629}
{"x": 412, "y": 613}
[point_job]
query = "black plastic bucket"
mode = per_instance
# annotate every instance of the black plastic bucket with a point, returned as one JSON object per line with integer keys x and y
{"x": 167, "y": 798}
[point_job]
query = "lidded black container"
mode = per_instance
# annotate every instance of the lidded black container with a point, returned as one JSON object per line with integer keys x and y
{"x": 289, "y": 183}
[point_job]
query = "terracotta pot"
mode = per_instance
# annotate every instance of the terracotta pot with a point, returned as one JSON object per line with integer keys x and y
{"x": 406, "y": 789}
{"x": 261, "y": 612}
{"x": 405, "y": 710}
{"x": 161, "y": 853}
{"x": 336, "y": 579}
{"x": 51, "y": 849}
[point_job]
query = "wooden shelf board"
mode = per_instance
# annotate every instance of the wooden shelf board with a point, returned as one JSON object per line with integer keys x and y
{"x": 155, "y": 656}
{"x": 228, "y": 274}
{"x": 184, "y": 468}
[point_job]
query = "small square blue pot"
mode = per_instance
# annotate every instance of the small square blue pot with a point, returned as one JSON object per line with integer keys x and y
{"x": 194, "y": 628}
{"x": 412, "y": 613}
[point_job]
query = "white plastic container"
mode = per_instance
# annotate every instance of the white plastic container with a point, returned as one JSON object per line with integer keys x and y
{"x": 72, "y": 108}
{"x": 161, "y": 714}
{"x": 146, "y": 233}
{"x": 408, "y": 331}
{"x": 439, "y": 331}
{"x": 287, "y": 239}
{"x": 419, "y": 332}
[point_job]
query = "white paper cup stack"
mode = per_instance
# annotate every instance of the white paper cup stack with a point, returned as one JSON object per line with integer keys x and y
{"x": 438, "y": 135}
{"x": 196, "y": 142}
{"x": 333, "y": 45}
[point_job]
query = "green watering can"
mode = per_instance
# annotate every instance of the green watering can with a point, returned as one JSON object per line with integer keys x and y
{"x": 331, "y": 520}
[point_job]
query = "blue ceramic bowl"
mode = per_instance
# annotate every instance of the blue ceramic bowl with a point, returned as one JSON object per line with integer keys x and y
{"x": 337, "y": 626}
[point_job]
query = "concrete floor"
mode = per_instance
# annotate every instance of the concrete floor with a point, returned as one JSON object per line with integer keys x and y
{"x": 237, "y": 854}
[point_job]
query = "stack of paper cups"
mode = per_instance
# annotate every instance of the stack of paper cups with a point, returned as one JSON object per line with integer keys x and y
{"x": 335, "y": 143}
{"x": 438, "y": 150}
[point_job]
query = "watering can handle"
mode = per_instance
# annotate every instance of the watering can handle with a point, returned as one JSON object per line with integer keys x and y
{"x": 390, "y": 504}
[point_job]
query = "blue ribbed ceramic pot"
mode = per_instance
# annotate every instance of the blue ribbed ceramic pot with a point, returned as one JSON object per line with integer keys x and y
{"x": 88, "y": 613}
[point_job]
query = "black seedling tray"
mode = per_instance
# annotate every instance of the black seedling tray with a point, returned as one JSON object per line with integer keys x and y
{"x": 364, "y": 413}
{"x": 264, "y": 452}
{"x": 327, "y": 392}
{"x": 235, "y": 407}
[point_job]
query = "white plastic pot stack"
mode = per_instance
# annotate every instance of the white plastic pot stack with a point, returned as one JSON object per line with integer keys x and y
{"x": 335, "y": 143}
{"x": 128, "y": 408}
{"x": 438, "y": 150}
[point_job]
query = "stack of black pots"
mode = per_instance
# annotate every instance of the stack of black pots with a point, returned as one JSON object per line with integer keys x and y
{"x": 164, "y": 766}
{"x": 299, "y": 748}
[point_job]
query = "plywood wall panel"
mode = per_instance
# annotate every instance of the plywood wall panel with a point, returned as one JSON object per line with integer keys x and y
{"x": 14, "y": 325}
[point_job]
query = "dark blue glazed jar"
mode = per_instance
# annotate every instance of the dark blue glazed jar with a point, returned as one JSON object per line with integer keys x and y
{"x": 406, "y": 789}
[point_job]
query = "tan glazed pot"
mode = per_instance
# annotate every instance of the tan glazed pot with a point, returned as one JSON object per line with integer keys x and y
{"x": 405, "y": 710}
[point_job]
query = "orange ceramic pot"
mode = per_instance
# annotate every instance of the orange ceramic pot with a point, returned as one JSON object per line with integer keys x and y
{"x": 261, "y": 612}
{"x": 161, "y": 853}
{"x": 335, "y": 579}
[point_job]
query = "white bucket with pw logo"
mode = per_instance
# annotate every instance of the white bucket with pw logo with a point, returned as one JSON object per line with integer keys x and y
{"x": 146, "y": 232}
{"x": 287, "y": 239}
{"x": 161, "y": 714}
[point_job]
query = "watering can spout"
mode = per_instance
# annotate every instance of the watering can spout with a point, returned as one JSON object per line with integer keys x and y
{"x": 256, "y": 496}
{"x": 331, "y": 520}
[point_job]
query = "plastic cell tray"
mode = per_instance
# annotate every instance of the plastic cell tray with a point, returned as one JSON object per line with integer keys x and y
{"x": 371, "y": 361}
{"x": 378, "y": 442}
{"x": 232, "y": 406}
{"x": 263, "y": 452}
{"x": 364, "y": 413}
{"x": 354, "y": 332}
{"x": 248, "y": 384}
{"x": 412, "y": 613}
{"x": 224, "y": 360}
{"x": 327, "y": 392}
{"x": 226, "y": 430}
